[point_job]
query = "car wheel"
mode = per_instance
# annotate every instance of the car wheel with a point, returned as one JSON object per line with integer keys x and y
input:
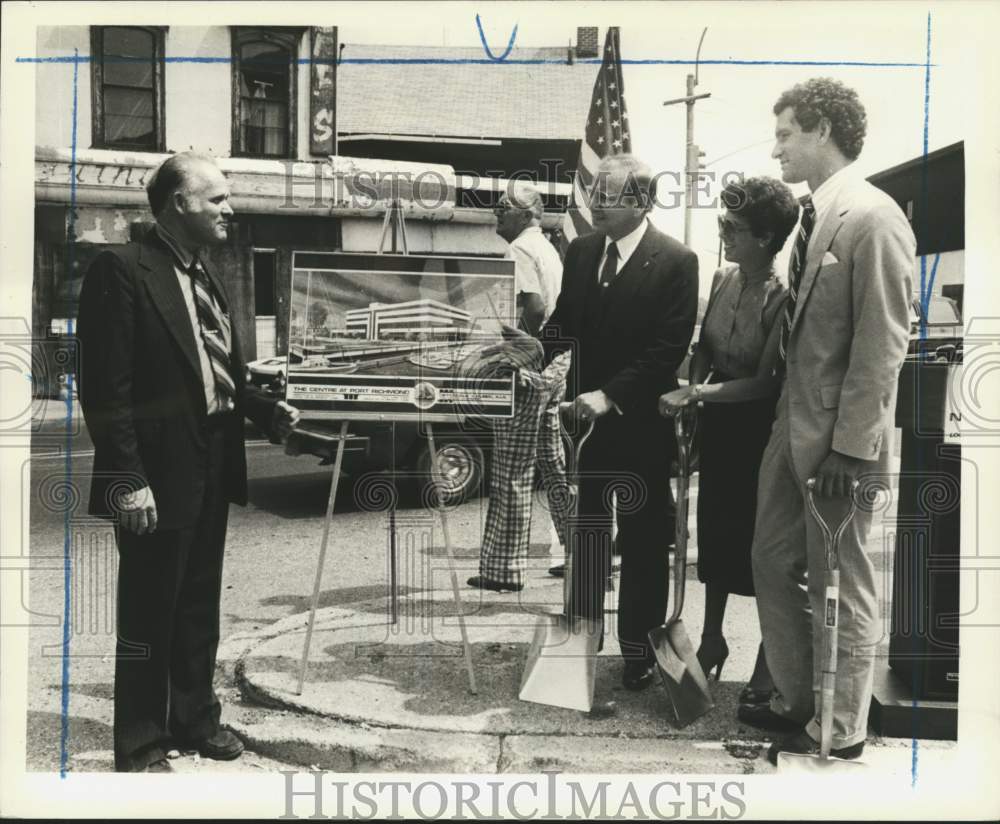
{"x": 461, "y": 464}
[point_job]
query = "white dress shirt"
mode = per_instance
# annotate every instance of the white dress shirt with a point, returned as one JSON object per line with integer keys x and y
{"x": 538, "y": 267}
{"x": 182, "y": 262}
{"x": 626, "y": 246}
{"x": 826, "y": 193}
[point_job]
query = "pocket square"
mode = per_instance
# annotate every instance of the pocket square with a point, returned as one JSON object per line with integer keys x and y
{"x": 828, "y": 258}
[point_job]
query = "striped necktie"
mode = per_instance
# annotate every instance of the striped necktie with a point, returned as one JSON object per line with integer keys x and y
{"x": 795, "y": 269}
{"x": 215, "y": 333}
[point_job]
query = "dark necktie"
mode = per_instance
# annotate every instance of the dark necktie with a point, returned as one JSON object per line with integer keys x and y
{"x": 795, "y": 269}
{"x": 215, "y": 333}
{"x": 610, "y": 267}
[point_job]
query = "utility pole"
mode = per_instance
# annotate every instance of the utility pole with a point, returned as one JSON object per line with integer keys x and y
{"x": 692, "y": 152}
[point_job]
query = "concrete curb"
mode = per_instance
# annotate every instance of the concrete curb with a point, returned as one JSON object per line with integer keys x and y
{"x": 329, "y": 735}
{"x": 382, "y": 717}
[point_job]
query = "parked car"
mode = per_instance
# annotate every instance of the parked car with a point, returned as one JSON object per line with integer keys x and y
{"x": 937, "y": 332}
{"x": 463, "y": 449}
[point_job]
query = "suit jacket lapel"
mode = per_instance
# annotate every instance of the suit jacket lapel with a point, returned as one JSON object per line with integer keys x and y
{"x": 590, "y": 259}
{"x": 165, "y": 292}
{"x": 818, "y": 247}
{"x": 635, "y": 270}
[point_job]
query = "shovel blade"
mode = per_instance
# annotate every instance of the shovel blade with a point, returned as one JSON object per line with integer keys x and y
{"x": 562, "y": 663}
{"x": 682, "y": 676}
{"x": 802, "y": 763}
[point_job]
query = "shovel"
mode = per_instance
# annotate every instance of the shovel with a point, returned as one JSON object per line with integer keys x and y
{"x": 680, "y": 671}
{"x": 562, "y": 660}
{"x": 803, "y": 762}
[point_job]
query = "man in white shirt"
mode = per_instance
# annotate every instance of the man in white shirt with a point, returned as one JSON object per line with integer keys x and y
{"x": 843, "y": 340}
{"x": 534, "y": 429}
{"x": 538, "y": 270}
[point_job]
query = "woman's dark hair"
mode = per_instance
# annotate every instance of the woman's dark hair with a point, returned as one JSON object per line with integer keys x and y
{"x": 767, "y": 205}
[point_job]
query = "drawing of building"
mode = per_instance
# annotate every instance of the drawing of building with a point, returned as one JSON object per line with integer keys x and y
{"x": 413, "y": 318}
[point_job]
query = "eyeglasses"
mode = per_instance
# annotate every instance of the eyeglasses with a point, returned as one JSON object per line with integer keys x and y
{"x": 505, "y": 206}
{"x": 729, "y": 229}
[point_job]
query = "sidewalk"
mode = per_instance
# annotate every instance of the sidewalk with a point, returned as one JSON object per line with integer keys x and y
{"x": 382, "y": 698}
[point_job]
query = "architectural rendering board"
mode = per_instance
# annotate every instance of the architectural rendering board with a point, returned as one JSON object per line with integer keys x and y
{"x": 389, "y": 337}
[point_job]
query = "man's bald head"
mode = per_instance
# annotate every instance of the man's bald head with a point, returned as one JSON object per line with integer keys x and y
{"x": 624, "y": 191}
{"x": 189, "y": 196}
{"x": 177, "y": 173}
{"x": 630, "y": 176}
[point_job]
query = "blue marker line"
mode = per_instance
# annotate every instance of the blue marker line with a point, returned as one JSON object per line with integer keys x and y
{"x": 67, "y": 535}
{"x": 925, "y": 301}
{"x": 503, "y": 60}
{"x": 486, "y": 47}
{"x": 925, "y": 294}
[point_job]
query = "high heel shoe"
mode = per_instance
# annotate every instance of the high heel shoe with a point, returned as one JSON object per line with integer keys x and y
{"x": 712, "y": 654}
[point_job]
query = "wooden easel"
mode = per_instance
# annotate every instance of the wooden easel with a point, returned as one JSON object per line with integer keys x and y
{"x": 394, "y": 227}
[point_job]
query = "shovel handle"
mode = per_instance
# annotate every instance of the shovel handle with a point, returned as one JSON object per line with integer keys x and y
{"x": 831, "y": 540}
{"x": 574, "y": 448}
{"x": 576, "y": 444}
{"x": 831, "y": 609}
{"x": 684, "y": 425}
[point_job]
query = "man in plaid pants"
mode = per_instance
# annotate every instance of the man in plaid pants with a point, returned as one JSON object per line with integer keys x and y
{"x": 532, "y": 435}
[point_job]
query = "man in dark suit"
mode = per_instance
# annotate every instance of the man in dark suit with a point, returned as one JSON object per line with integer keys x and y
{"x": 628, "y": 304}
{"x": 163, "y": 394}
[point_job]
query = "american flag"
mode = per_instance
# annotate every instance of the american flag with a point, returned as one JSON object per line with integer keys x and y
{"x": 607, "y": 132}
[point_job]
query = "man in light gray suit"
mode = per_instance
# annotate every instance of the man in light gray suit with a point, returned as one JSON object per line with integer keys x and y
{"x": 842, "y": 345}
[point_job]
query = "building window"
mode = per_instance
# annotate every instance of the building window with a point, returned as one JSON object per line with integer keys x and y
{"x": 127, "y": 87}
{"x": 264, "y": 91}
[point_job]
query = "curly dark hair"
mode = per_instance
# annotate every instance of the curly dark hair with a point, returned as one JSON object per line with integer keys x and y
{"x": 825, "y": 97}
{"x": 768, "y": 206}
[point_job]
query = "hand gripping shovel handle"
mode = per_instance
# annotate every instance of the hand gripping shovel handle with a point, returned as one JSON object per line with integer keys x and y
{"x": 831, "y": 542}
{"x": 684, "y": 426}
{"x": 575, "y": 445}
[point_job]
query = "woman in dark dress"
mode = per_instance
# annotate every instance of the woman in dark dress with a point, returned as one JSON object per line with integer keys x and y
{"x": 732, "y": 379}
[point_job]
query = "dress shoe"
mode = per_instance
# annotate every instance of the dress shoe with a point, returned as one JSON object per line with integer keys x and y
{"x": 223, "y": 746}
{"x": 802, "y": 744}
{"x": 712, "y": 654}
{"x": 763, "y": 717}
{"x": 638, "y": 675}
{"x": 161, "y": 765}
{"x": 752, "y": 695}
{"x": 482, "y": 582}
